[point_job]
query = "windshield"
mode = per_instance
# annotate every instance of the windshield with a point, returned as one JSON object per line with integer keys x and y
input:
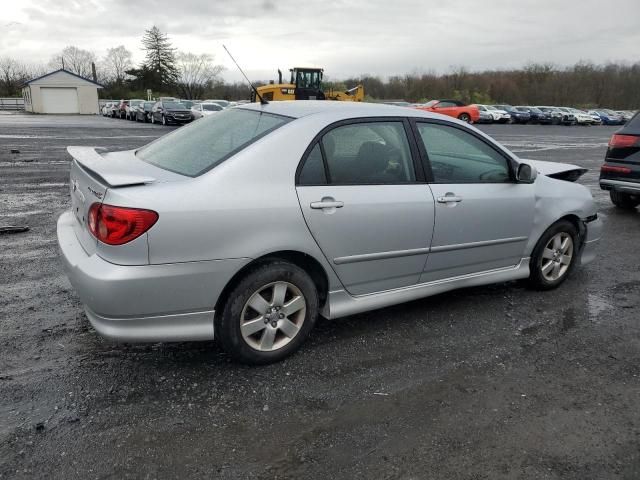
{"x": 224, "y": 103}
{"x": 308, "y": 79}
{"x": 431, "y": 103}
{"x": 195, "y": 149}
{"x": 211, "y": 107}
{"x": 172, "y": 105}
{"x": 491, "y": 107}
{"x": 149, "y": 104}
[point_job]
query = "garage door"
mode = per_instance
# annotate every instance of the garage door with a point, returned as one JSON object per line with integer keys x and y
{"x": 59, "y": 100}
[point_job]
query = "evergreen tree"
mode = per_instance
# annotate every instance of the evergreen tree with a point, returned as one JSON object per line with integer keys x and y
{"x": 160, "y": 63}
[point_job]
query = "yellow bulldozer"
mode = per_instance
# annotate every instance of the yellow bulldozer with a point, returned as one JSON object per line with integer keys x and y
{"x": 306, "y": 84}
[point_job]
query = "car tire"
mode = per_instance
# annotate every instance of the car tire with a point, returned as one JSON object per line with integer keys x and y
{"x": 552, "y": 260}
{"x": 465, "y": 117}
{"x": 261, "y": 346}
{"x": 624, "y": 201}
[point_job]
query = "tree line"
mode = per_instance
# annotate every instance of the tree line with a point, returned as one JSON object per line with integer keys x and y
{"x": 164, "y": 71}
{"x": 167, "y": 71}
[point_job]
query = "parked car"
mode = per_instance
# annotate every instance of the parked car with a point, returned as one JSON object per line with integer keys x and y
{"x": 625, "y": 114}
{"x": 620, "y": 174}
{"x": 555, "y": 114}
{"x": 568, "y": 117}
{"x": 223, "y": 103}
{"x": 499, "y": 116}
{"x": 608, "y": 117}
{"x": 453, "y": 108}
{"x": 189, "y": 103}
{"x": 170, "y": 112}
{"x": 203, "y": 109}
{"x": 114, "y": 110}
{"x": 582, "y": 117}
{"x": 122, "y": 109}
{"x": 485, "y": 114}
{"x": 106, "y": 109}
{"x": 252, "y": 222}
{"x": 536, "y": 115}
{"x": 131, "y": 107}
{"x": 517, "y": 116}
{"x": 143, "y": 111}
{"x": 595, "y": 118}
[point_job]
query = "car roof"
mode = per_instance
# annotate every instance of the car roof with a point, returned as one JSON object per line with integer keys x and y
{"x": 303, "y": 108}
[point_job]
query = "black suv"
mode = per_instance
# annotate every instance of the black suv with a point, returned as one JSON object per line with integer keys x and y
{"x": 620, "y": 173}
{"x": 167, "y": 112}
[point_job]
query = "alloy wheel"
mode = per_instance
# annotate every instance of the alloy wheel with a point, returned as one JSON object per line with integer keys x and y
{"x": 556, "y": 256}
{"x": 273, "y": 316}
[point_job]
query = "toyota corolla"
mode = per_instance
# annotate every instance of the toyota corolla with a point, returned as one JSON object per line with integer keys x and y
{"x": 250, "y": 223}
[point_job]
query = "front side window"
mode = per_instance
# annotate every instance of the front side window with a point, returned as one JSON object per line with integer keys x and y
{"x": 457, "y": 156}
{"x": 368, "y": 153}
{"x": 200, "y": 146}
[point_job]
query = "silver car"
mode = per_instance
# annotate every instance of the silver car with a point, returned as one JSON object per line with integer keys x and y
{"x": 252, "y": 222}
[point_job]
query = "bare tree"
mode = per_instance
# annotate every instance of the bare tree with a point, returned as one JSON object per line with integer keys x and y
{"x": 115, "y": 64}
{"x": 196, "y": 73}
{"x": 75, "y": 60}
{"x": 12, "y": 75}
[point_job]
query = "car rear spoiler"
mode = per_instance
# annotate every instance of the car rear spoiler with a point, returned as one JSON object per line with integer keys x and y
{"x": 110, "y": 174}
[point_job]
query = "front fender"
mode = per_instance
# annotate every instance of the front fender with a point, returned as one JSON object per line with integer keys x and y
{"x": 556, "y": 199}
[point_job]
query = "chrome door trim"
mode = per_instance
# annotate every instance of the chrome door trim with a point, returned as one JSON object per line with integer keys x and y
{"x": 341, "y": 303}
{"x": 365, "y": 257}
{"x": 484, "y": 243}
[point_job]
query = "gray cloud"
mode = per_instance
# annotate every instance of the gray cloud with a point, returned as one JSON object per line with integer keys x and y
{"x": 347, "y": 37}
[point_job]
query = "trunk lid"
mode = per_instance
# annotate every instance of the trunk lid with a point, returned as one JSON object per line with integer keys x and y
{"x": 93, "y": 174}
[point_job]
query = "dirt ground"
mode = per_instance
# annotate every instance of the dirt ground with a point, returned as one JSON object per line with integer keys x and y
{"x": 497, "y": 382}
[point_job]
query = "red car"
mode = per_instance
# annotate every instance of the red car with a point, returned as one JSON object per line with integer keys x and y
{"x": 453, "y": 108}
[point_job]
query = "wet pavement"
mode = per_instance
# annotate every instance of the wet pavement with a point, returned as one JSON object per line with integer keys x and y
{"x": 497, "y": 382}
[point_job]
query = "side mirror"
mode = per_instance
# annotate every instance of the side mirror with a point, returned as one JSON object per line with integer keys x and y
{"x": 526, "y": 173}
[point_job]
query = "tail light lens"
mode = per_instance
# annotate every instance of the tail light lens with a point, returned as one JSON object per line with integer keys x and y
{"x": 119, "y": 225}
{"x": 614, "y": 169}
{"x": 624, "y": 141}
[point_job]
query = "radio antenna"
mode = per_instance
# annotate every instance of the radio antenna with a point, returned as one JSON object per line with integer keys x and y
{"x": 255, "y": 90}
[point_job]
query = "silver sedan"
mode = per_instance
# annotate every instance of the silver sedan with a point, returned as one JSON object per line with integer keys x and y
{"x": 252, "y": 222}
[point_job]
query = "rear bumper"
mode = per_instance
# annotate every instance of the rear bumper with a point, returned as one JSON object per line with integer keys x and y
{"x": 145, "y": 303}
{"x": 592, "y": 238}
{"x": 620, "y": 186}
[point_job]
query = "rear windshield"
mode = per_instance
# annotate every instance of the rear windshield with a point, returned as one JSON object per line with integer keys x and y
{"x": 211, "y": 106}
{"x": 197, "y": 148}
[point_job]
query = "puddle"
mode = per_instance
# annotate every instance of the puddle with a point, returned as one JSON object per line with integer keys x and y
{"x": 597, "y": 304}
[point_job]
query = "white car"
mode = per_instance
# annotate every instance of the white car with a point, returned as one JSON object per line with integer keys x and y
{"x": 582, "y": 118}
{"x": 222, "y": 103}
{"x": 106, "y": 109}
{"x": 500, "y": 116}
{"x": 203, "y": 109}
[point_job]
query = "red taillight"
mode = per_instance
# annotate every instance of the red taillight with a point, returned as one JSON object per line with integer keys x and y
{"x": 613, "y": 169}
{"x": 118, "y": 225}
{"x": 624, "y": 141}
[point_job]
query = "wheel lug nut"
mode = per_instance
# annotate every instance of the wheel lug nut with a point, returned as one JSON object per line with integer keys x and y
{"x": 266, "y": 320}
{"x": 274, "y": 324}
{"x": 281, "y": 315}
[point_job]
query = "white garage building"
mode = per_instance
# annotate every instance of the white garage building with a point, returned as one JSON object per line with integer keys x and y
{"x": 61, "y": 92}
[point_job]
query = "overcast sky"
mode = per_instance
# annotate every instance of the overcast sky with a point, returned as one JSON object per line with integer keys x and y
{"x": 346, "y": 37}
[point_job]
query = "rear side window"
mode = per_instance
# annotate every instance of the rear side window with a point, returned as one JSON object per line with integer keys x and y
{"x": 368, "y": 153}
{"x": 200, "y": 146}
{"x": 313, "y": 172}
{"x": 457, "y": 156}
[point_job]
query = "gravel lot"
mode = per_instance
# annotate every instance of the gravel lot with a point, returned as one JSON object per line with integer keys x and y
{"x": 497, "y": 382}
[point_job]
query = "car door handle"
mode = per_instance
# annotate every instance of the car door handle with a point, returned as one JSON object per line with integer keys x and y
{"x": 326, "y": 203}
{"x": 449, "y": 199}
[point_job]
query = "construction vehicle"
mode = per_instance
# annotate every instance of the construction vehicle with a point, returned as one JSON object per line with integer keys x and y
{"x": 305, "y": 84}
